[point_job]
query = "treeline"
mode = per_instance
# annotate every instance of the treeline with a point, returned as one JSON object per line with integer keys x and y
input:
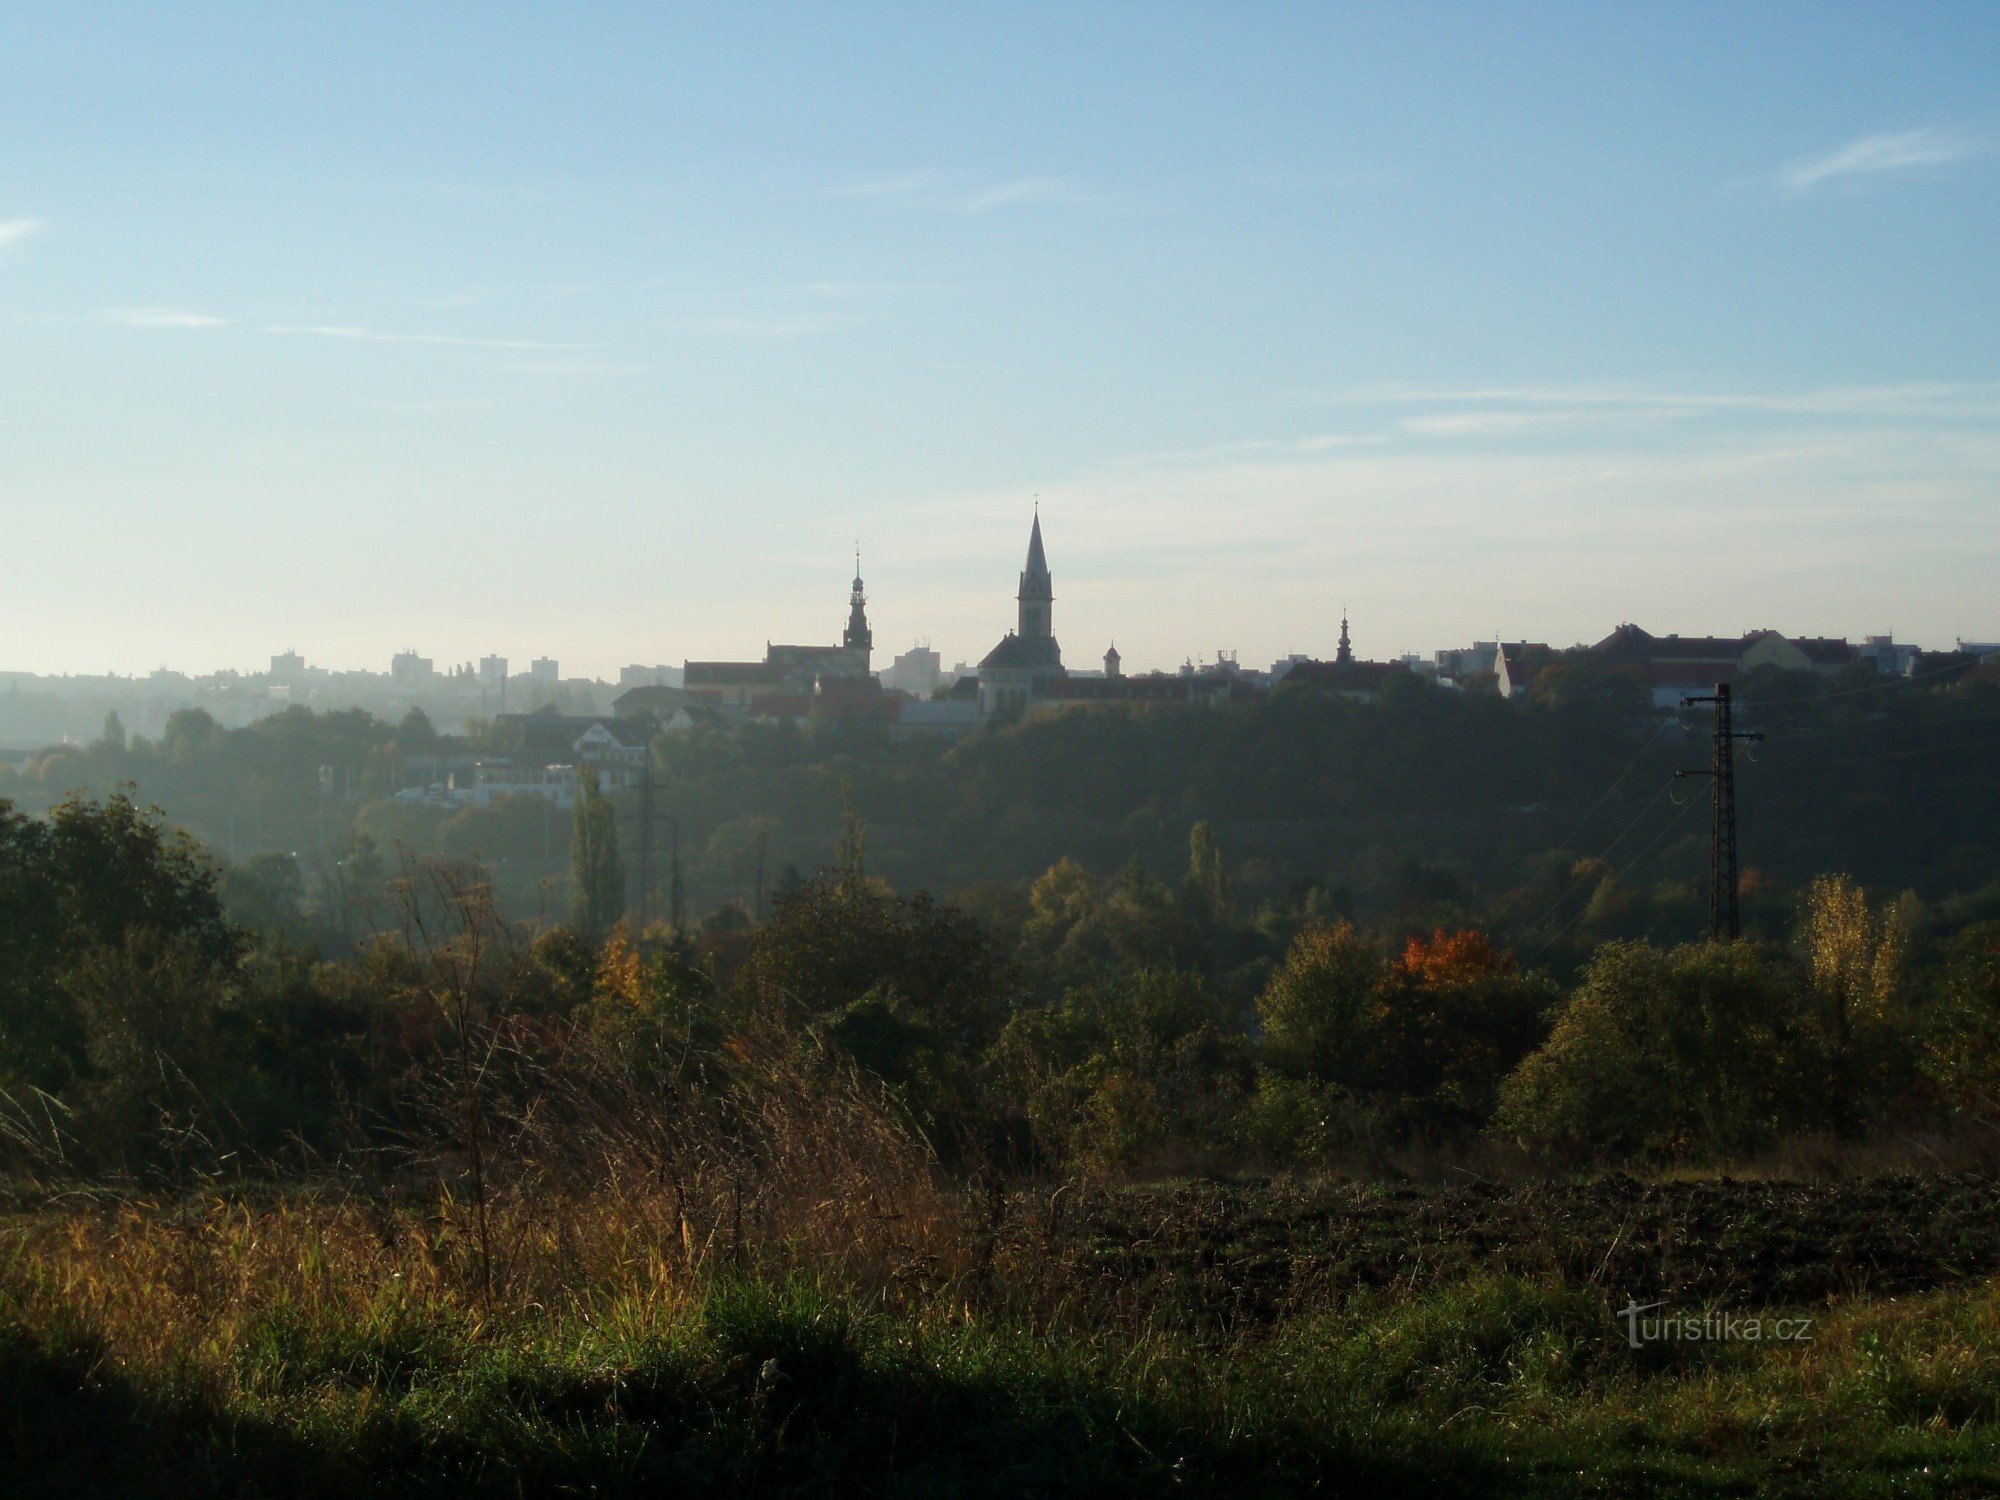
{"x": 1554, "y": 820}
{"x": 1122, "y": 1024}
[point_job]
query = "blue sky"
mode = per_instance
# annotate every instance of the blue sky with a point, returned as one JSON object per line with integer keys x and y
{"x": 607, "y": 334}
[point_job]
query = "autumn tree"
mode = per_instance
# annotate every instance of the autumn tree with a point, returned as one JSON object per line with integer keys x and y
{"x": 1450, "y": 1018}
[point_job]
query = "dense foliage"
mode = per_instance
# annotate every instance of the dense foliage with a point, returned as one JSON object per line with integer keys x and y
{"x": 1550, "y": 821}
{"x": 1121, "y": 1024}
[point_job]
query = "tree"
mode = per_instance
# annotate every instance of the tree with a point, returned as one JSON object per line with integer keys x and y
{"x": 113, "y": 737}
{"x": 266, "y": 893}
{"x": 1962, "y": 1050}
{"x": 850, "y": 858}
{"x": 114, "y": 952}
{"x": 596, "y": 877}
{"x": 1855, "y": 956}
{"x": 1450, "y": 1018}
{"x": 1313, "y": 1008}
{"x": 1138, "y": 1066}
{"x": 414, "y": 735}
{"x": 191, "y": 736}
{"x": 1207, "y": 887}
{"x": 914, "y": 990}
{"x": 1699, "y": 1050}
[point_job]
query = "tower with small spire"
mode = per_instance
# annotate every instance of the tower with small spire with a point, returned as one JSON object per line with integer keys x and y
{"x": 858, "y": 639}
{"x": 1345, "y": 654}
{"x": 1111, "y": 661}
{"x": 1036, "y": 599}
{"x": 1028, "y": 658}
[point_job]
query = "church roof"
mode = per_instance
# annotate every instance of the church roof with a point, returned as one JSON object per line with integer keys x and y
{"x": 1011, "y": 652}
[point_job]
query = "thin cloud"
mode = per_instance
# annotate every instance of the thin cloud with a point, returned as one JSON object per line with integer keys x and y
{"x": 570, "y": 369}
{"x": 897, "y": 185}
{"x": 13, "y": 231}
{"x": 160, "y": 317}
{"x": 1921, "y": 401}
{"x": 446, "y": 340}
{"x": 774, "y": 326}
{"x": 1486, "y": 423}
{"x": 955, "y": 195}
{"x": 1873, "y": 155}
{"x": 1023, "y": 193}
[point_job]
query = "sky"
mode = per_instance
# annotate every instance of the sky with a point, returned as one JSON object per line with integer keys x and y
{"x": 607, "y": 332}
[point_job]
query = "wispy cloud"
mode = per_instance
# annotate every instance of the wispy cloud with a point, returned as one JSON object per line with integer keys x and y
{"x": 1873, "y": 155}
{"x": 895, "y": 185}
{"x": 770, "y": 312}
{"x": 1486, "y": 423}
{"x": 571, "y": 368}
{"x": 1024, "y": 193}
{"x": 159, "y": 317}
{"x": 798, "y": 325}
{"x": 942, "y": 193}
{"x": 1920, "y": 401}
{"x": 446, "y": 340}
{"x": 13, "y": 231}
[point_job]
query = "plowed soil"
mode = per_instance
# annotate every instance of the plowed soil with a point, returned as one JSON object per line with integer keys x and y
{"x": 1231, "y": 1253}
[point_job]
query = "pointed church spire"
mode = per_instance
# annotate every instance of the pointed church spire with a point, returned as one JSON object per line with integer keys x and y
{"x": 1346, "y": 652}
{"x": 1037, "y": 595}
{"x": 1036, "y": 574}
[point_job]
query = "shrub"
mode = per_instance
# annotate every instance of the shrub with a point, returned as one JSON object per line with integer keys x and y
{"x": 1697, "y": 1050}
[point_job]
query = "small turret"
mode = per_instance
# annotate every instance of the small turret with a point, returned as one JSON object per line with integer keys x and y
{"x": 1111, "y": 661}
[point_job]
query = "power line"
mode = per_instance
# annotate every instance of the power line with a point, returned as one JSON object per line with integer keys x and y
{"x": 1644, "y": 746}
{"x": 1781, "y": 736}
{"x": 1645, "y": 808}
{"x": 1867, "y": 687}
{"x": 1629, "y": 866}
{"x": 1862, "y": 760}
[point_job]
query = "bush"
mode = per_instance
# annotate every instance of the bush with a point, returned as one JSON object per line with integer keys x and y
{"x": 1698, "y": 1050}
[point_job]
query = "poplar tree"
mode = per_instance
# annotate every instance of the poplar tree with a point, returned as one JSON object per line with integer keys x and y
{"x": 596, "y": 878}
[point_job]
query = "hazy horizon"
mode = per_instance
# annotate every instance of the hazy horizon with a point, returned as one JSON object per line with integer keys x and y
{"x": 606, "y": 338}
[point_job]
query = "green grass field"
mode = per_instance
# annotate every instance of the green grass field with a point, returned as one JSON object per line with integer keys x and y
{"x": 324, "y": 1347}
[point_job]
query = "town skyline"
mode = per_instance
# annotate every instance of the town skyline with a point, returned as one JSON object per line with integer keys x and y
{"x": 350, "y": 328}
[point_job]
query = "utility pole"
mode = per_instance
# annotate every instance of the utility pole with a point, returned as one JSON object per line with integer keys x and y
{"x": 1721, "y": 772}
{"x": 763, "y": 842}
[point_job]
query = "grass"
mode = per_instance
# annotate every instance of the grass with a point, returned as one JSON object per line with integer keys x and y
{"x": 311, "y": 1347}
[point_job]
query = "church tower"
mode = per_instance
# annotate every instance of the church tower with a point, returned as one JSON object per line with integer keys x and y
{"x": 1346, "y": 652}
{"x": 858, "y": 638}
{"x": 1036, "y": 599}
